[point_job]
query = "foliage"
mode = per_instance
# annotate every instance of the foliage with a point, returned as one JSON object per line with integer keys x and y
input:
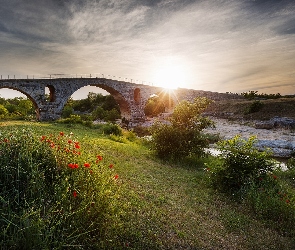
{"x": 254, "y": 107}
{"x": 141, "y": 131}
{"x": 17, "y": 107}
{"x": 67, "y": 111}
{"x": 3, "y": 111}
{"x": 183, "y": 136}
{"x": 113, "y": 129}
{"x": 240, "y": 164}
{"x": 154, "y": 106}
{"x": 254, "y": 94}
{"x": 53, "y": 194}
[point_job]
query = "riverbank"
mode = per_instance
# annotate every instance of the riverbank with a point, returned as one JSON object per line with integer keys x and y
{"x": 281, "y": 141}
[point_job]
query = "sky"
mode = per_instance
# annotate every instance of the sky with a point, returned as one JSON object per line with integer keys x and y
{"x": 218, "y": 45}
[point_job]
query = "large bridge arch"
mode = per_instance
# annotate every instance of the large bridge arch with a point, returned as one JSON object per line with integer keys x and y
{"x": 24, "y": 92}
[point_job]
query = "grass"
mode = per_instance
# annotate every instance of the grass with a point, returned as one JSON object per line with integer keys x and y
{"x": 167, "y": 205}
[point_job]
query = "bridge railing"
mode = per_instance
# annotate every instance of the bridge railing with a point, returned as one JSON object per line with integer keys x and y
{"x": 60, "y": 76}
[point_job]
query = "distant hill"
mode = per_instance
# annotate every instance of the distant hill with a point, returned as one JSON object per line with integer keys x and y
{"x": 253, "y": 109}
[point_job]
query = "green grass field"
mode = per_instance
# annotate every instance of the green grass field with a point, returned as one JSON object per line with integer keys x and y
{"x": 163, "y": 205}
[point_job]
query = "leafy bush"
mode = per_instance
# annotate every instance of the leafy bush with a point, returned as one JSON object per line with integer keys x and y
{"x": 110, "y": 128}
{"x": 240, "y": 164}
{"x": 254, "y": 107}
{"x": 182, "y": 137}
{"x": 67, "y": 111}
{"x": 141, "y": 131}
{"x": 52, "y": 196}
{"x": 3, "y": 111}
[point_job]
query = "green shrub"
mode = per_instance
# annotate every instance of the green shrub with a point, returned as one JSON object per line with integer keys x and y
{"x": 182, "y": 137}
{"x": 254, "y": 107}
{"x": 240, "y": 164}
{"x": 110, "y": 128}
{"x": 141, "y": 131}
{"x": 52, "y": 196}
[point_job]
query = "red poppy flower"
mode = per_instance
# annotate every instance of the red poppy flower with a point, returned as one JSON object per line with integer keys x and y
{"x": 69, "y": 141}
{"x": 86, "y": 165}
{"x": 61, "y": 133}
{"x": 111, "y": 166}
{"x": 43, "y": 137}
{"x": 99, "y": 157}
{"x": 71, "y": 165}
{"x": 76, "y": 165}
{"x": 75, "y": 194}
{"x": 77, "y": 145}
{"x": 52, "y": 145}
{"x": 116, "y": 177}
{"x": 6, "y": 140}
{"x": 288, "y": 201}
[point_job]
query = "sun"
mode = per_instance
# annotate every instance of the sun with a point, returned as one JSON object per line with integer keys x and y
{"x": 170, "y": 74}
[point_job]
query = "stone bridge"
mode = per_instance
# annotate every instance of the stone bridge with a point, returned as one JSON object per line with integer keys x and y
{"x": 131, "y": 97}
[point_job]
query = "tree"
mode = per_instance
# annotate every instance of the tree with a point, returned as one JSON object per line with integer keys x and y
{"x": 182, "y": 137}
{"x": 3, "y": 111}
{"x": 154, "y": 106}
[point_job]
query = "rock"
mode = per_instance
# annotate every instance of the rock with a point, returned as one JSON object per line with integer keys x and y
{"x": 264, "y": 125}
{"x": 279, "y": 148}
{"x": 283, "y": 122}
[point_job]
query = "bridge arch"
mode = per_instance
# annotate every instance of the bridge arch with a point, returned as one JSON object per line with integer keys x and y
{"x": 8, "y": 86}
{"x": 119, "y": 98}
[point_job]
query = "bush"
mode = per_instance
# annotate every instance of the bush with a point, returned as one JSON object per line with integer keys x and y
{"x": 254, "y": 107}
{"x": 141, "y": 131}
{"x": 270, "y": 200}
{"x": 182, "y": 137}
{"x": 52, "y": 196}
{"x": 110, "y": 128}
{"x": 241, "y": 164}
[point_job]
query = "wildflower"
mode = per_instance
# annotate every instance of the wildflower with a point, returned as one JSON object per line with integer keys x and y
{"x": 99, "y": 157}
{"x": 76, "y": 165}
{"x": 116, "y": 177}
{"x": 86, "y": 165}
{"x": 75, "y": 194}
{"x": 52, "y": 145}
{"x": 43, "y": 138}
{"x": 91, "y": 172}
{"x": 61, "y": 133}
{"x": 77, "y": 145}
{"x": 111, "y": 166}
{"x": 71, "y": 165}
{"x": 6, "y": 140}
{"x": 69, "y": 141}
{"x": 275, "y": 177}
{"x": 288, "y": 201}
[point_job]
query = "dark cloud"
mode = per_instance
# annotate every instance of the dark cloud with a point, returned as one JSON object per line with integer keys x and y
{"x": 287, "y": 28}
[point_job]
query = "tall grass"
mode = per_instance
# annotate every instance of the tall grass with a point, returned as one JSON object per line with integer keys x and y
{"x": 53, "y": 194}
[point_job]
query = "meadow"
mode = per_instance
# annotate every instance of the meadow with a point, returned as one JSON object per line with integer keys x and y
{"x": 68, "y": 186}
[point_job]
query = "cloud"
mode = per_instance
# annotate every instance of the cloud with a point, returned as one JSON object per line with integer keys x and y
{"x": 223, "y": 44}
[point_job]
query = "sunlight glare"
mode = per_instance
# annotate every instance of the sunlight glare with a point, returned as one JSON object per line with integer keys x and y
{"x": 170, "y": 74}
